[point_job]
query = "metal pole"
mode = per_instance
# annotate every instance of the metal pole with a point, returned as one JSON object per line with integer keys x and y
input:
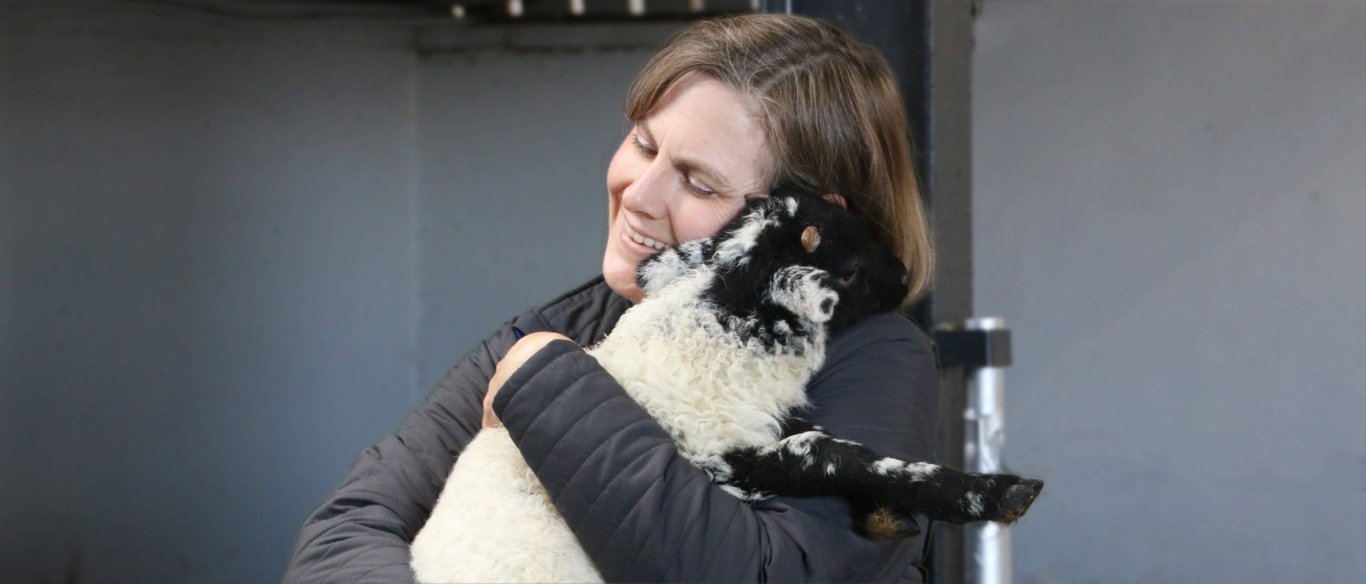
{"x": 979, "y": 349}
{"x": 987, "y": 544}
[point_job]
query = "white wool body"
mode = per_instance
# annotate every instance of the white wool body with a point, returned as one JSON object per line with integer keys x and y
{"x": 495, "y": 523}
{"x": 711, "y": 390}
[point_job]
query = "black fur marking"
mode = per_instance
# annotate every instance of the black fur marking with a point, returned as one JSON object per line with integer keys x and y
{"x": 863, "y": 276}
{"x": 941, "y": 493}
{"x": 772, "y": 285}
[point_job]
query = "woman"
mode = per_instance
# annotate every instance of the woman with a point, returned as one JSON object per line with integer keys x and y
{"x": 729, "y": 107}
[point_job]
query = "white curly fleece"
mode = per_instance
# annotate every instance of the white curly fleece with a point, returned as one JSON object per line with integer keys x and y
{"x": 709, "y": 389}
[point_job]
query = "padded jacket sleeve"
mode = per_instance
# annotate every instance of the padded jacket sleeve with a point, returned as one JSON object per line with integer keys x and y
{"x": 644, "y": 514}
{"x": 362, "y": 531}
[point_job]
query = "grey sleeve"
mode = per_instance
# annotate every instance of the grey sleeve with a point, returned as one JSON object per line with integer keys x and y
{"x": 361, "y": 533}
{"x": 644, "y": 514}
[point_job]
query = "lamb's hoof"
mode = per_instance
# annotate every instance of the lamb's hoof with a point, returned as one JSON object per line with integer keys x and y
{"x": 1018, "y": 498}
{"x": 886, "y": 523}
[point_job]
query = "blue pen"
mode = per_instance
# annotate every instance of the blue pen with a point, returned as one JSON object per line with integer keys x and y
{"x": 518, "y": 333}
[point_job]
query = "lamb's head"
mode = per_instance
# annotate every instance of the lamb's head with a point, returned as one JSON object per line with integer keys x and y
{"x": 788, "y": 263}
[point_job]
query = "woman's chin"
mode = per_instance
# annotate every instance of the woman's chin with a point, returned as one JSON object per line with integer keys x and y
{"x": 621, "y": 278}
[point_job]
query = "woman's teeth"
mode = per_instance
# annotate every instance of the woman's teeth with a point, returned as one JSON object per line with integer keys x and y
{"x": 645, "y": 241}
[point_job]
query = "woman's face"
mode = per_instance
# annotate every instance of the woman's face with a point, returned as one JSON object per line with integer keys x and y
{"x": 680, "y": 174}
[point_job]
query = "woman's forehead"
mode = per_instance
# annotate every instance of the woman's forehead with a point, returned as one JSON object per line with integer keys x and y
{"x": 704, "y": 121}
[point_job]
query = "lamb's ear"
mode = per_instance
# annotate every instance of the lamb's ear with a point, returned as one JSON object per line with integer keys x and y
{"x": 658, "y": 270}
{"x": 811, "y": 239}
{"x": 806, "y": 291}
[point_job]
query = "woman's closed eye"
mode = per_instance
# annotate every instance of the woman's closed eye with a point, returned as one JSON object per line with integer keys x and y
{"x": 697, "y": 188}
{"x": 641, "y": 147}
{"x": 689, "y": 182}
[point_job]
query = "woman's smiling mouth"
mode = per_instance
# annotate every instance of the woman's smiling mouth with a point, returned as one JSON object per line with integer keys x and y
{"x": 642, "y": 240}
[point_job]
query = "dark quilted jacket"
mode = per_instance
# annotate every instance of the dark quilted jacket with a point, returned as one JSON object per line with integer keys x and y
{"x": 642, "y": 512}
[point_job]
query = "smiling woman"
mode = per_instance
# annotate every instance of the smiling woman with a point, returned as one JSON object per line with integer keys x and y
{"x": 681, "y": 173}
{"x": 729, "y": 108}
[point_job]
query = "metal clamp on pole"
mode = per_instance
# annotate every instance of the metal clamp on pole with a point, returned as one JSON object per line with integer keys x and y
{"x": 982, "y": 347}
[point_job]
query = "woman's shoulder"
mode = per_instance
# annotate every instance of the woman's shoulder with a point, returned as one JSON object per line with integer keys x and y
{"x": 886, "y": 332}
{"x": 879, "y": 386}
{"x": 885, "y": 352}
{"x": 586, "y": 313}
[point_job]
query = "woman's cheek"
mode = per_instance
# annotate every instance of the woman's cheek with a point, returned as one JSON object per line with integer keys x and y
{"x": 619, "y": 269}
{"x": 708, "y": 217}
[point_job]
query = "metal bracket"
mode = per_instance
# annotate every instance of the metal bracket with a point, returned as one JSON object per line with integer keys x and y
{"x": 973, "y": 348}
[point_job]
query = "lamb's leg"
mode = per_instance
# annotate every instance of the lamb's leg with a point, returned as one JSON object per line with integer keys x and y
{"x": 946, "y": 494}
{"x": 809, "y": 462}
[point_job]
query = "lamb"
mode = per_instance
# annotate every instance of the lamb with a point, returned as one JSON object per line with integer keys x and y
{"x": 719, "y": 353}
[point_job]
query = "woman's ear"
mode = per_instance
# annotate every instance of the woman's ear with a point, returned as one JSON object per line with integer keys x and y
{"x": 836, "y": 198}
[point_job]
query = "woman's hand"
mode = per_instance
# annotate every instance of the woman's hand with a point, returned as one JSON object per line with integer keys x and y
{"x": 516, "y": 356}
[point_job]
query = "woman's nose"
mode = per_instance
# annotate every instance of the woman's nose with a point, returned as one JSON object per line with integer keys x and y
{"x": 648, "y": 194}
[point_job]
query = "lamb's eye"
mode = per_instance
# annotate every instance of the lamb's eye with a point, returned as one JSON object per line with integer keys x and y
{"x": 848, "y": 276}
{"x": 811, "y": 239}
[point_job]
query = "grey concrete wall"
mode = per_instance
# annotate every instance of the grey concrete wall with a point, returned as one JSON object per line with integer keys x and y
{"x": 235, "y": 253}
{"x": 1171, "y": 214}
{"x": 518, "y": 126}
{"x": 232, "y": 254}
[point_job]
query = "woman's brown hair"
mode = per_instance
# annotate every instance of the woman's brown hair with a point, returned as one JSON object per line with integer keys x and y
{"x": 831, "y": 111}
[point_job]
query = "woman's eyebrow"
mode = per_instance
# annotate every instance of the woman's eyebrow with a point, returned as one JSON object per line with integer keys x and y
{"x": 688, "y": 164}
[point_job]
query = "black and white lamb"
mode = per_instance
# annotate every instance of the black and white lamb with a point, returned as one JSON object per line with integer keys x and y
{"x": 719, "y": 353}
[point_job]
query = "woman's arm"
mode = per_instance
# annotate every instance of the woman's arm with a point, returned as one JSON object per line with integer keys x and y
{"x": 362, "y": 531}
{"x": 644, "y": 513}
